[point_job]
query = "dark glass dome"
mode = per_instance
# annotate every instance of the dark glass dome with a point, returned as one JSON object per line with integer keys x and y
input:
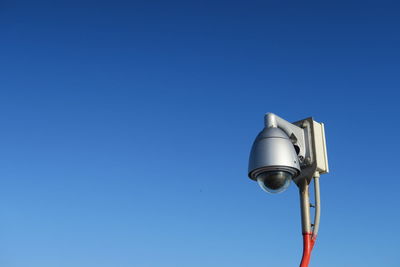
{"x": 274, "y": 181}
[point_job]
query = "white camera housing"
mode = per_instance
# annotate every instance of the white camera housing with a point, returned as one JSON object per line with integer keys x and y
{"x": 296, "y": 148}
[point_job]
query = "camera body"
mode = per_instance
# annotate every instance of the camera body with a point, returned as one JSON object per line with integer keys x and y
{"x": 285, "y": 151}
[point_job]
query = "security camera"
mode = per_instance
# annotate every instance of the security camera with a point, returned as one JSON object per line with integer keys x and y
{"x": 273, "y": 160}
{"x": 285, "y": 151}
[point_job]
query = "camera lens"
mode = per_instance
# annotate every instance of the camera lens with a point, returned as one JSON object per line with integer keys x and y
{"x": 274, "y": 181}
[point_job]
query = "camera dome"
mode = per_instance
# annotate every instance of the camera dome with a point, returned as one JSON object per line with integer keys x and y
{"x": 274, "y": 181}
{"x": 273, "y": 153}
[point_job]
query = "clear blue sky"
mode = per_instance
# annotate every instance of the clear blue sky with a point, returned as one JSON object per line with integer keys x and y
{"x": 125, "y": 130}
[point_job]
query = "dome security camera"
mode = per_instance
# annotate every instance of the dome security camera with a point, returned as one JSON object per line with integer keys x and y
{"x": 273, "y": 160}
{"x": 283, "y": 152}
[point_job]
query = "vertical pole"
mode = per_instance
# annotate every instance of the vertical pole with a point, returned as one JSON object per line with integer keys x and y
{"x": 309, "y": 235}
{"x": 305, "y": 207}
{"x": 305, "y": 223}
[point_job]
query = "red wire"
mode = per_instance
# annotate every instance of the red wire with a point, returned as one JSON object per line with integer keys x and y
{"x": 308, "y": 244}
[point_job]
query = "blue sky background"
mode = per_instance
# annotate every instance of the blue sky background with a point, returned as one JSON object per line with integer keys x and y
{"x": 125, "y": 129}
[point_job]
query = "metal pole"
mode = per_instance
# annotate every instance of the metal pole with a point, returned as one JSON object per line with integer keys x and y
{"x": 305, "y": 207}
{"x": 305, "y": 222}
{"x": 309, "y": 236}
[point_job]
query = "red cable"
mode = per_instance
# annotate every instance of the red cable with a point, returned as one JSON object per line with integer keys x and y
{"x": 308, "y": 244}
